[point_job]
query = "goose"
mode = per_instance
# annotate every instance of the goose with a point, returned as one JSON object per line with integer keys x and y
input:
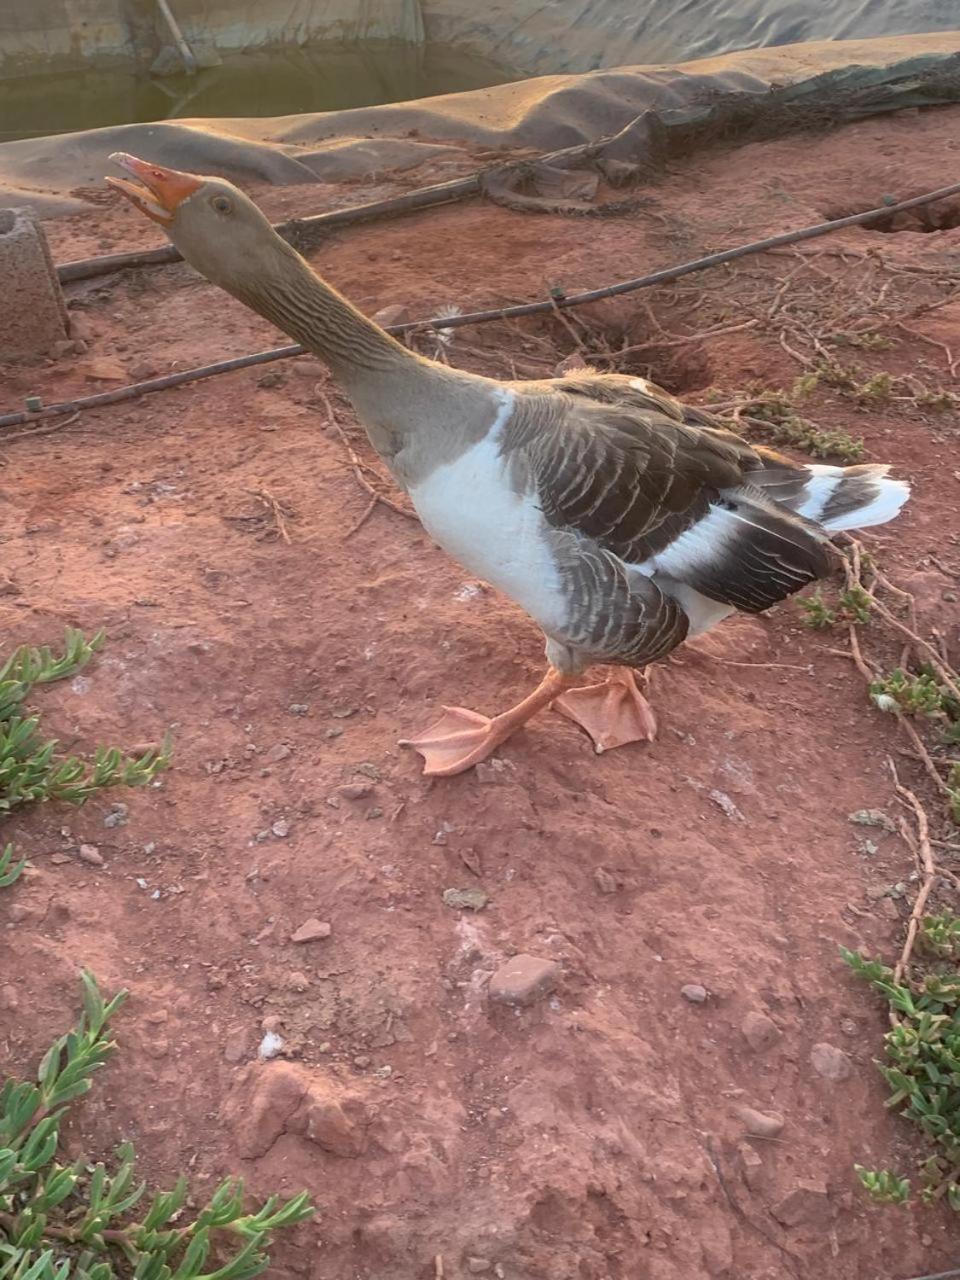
{"x": 620, "y": 519}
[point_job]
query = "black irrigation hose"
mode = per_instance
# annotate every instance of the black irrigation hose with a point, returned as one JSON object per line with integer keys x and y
{"x": 483, "y": 317}
{"x": 293, "y": 230}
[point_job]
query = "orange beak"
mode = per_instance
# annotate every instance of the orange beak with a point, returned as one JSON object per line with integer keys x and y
{"x": 162, "y": 190}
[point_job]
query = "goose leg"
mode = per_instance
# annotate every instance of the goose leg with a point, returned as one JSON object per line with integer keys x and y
{"x": 462, "y": 738}
{"x": 613, "y": 713}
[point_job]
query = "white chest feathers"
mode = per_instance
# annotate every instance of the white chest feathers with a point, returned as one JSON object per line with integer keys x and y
{"x": 469, "y": 507}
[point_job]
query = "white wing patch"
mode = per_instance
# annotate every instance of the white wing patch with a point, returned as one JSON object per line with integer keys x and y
{"x": 821, "y": 487}
{"x": 470, "y": 507}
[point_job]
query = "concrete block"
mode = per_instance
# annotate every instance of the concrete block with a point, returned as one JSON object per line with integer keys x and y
{"x": 33, "y": 316}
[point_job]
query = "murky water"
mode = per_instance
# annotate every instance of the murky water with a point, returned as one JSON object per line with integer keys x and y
{"x": 257, "y": 84}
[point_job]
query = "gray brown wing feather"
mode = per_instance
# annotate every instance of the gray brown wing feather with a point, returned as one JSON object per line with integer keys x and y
{"x": 638, "y": 481}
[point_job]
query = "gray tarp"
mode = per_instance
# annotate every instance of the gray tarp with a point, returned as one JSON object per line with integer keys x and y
{"x": 736, "y": 93}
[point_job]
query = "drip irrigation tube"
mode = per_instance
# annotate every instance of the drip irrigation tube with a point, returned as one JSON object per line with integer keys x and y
{"x": 484, "y": 317}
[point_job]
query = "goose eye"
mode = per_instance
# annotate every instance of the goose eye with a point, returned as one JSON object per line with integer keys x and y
{"x": 221, "y": 204}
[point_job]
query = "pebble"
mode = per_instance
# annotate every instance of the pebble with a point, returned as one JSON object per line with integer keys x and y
{"x": 298, "y": 981}
{"x": 8, "y": 997}
{"x": 465, "y": 899}
{"x": 523, "y": 980}
{"x": 272, "y": 1022}
{"x": 236, "y": 1045}
{"x": 311, "y": 930}
{"x": 808, "y": 1202}
{"x": 60, "y": 858}
{"x": 759, "y": 1124}
{"x": 848, "y": 1027}
{"x": 751, "y": 1165}
{"x": 605, "y": 882}
{"x": 158, "y": 1048}
{"x": 478, "y": 1266}
{"x": 872, "y": 818}
{"x": 270, "y": 1045}
{"x": 760, "y": 1032}
{"x": 117, "y": 816}
{"x": 277, "y": 753}
{"x": 90, "y": 854}
{"x": 368, "y": 770}
{"x": 17, "y": 913}
{"x": 830, "y": 1062}
{"x": 355, "y": 790}
{"x": 280, "y": 828}
{"x": 694, "y": 993}
{"x": 299, "y": 708}
{"x": 361, "y": 1061}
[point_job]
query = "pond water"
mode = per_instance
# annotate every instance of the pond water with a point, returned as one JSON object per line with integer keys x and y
{"x": 320, "y": 78}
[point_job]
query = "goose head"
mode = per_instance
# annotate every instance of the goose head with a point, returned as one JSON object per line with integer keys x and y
{"x": 217, "y": 229}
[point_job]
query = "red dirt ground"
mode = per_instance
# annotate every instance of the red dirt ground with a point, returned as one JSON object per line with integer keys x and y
{"x": 596, "y": 1134}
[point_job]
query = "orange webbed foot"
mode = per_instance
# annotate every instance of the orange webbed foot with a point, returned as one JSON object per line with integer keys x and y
{"x": 613, "y": 713}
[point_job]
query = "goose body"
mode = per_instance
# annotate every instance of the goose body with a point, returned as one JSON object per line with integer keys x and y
{"x": 621, "y": 520}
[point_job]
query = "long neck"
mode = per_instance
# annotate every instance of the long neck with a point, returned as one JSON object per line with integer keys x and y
{"x": 294, "y": 298}
{"x": 398, "y": 395}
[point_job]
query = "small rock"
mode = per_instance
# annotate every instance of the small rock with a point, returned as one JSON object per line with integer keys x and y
{"x": 760, "y": 1032}
{"x": 361, "y": 1062}
{"x": 9, "y": 1000}
{"x": 373, "y": 813}
{"x": 465, "y": 899}
{"x": 271, "y": 1022}
{"x": 694, "y": 993}
{"x": 355, "y": 790}
{"x": 298, "y": 981}
{"x": 887, "y": 907}
{"x": 368, "y": 770}
{"x": 270, "y": 1045}
{"x": 140, "y": 372}
{"x": 393, "y": 313}
{"x": 726, "y": 805}
{"x": 523, "y": 980}
{"x": 17, "y": 913}
{"x": 605, "y": 882}
{"x": 492, "y": 771}
{"x": 808, "y": 1202}
{"x": 299, "y": 708}
{"x": 848, "y": 1027}
{"x": 277, "y": 753}
{"x": 759, "y": 1124}
{"x": 117, "y": 817}
{"x": 236, "y": 1046}
{"x": 158, "y": 1048}
{"x": 271, "y": 379}
{"x": 478, "y": 1266}
{"x": 104, "y": 371}
{"x": 60, "y": 858}
{"x": 751, "y": 1165}
{"x": 90, "y": 854}
{"x": 280, "y": 828}
{"x": 872, "y": 818}
{"x": 312, "y": 930}
{"x": 830, "y": 1062}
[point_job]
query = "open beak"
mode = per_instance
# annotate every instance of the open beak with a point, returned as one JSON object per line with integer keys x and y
{"x": 159, "y": 192}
